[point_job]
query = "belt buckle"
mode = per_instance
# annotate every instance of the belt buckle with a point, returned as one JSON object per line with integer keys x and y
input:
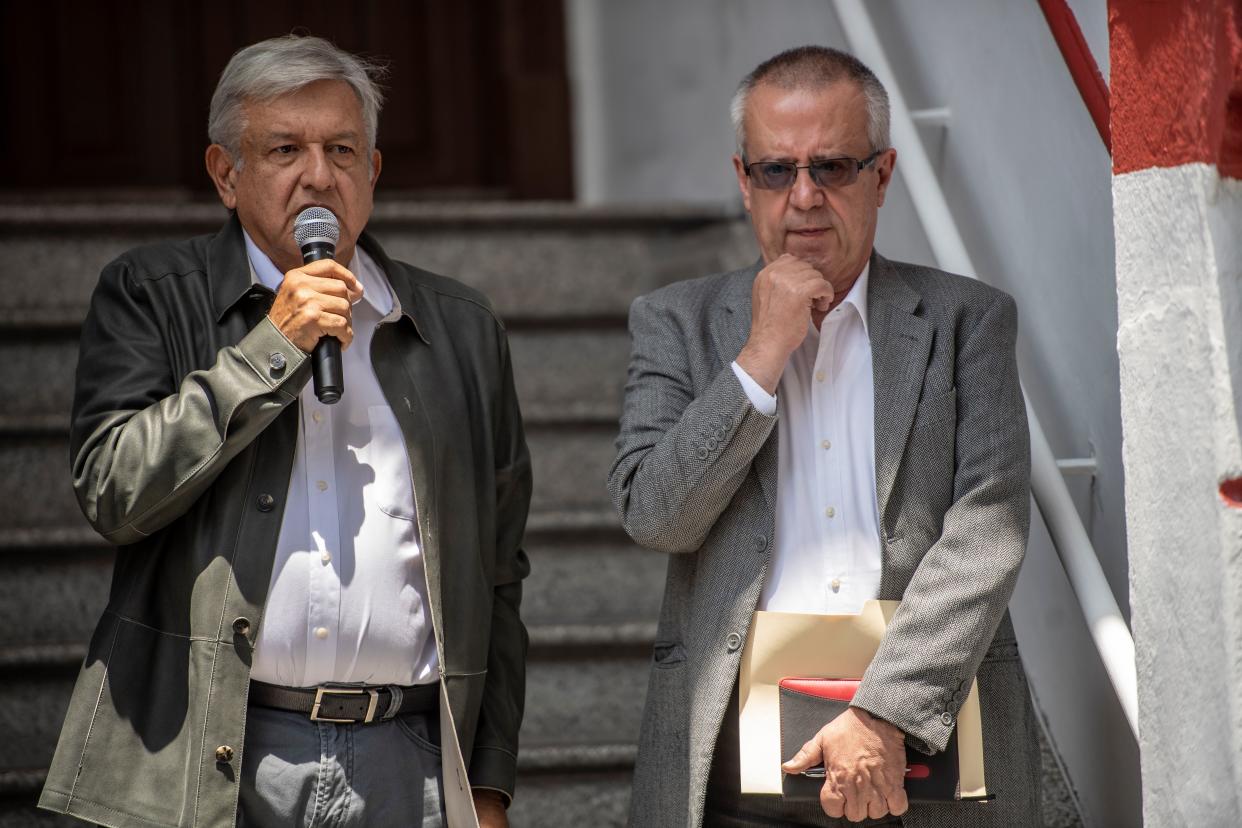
{"x": 320, "y": 692}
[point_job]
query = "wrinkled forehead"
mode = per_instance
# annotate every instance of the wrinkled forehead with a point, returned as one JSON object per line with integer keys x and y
{"x": 317, "y": 111}
{"x": 805, "y": 121}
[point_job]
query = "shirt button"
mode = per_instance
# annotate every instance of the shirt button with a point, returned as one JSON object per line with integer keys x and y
{"x": 241, "y": 626}
{"x": 224, "y": 754}
{"x": 819, "y": 376}
{"x": 830, "y": 512}
{"x": 733, "y": 641}
{"x": 321, "y": 485}
{"x": 317, "y": 416}
{"x": 825, "y": 444}
{"x": 836, "y": 584}
{"x": 265, "y": 502}
{"x": 326, "y": 557}
{"x": 321, "y": 632}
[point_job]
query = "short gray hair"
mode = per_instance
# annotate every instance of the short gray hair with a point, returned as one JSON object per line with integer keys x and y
{"x": 814, "y": 67}
{"x": 280, "y": 65}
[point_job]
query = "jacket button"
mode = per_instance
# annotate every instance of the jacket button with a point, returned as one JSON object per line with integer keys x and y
{"x": 946, "y": 719}
{"x": 277, "y": 363}
{"x": 712, "y": 442}
{"x": 761, "y": 543}
{"x": 241, "y": 626}
{"x": 702, "y": 454}
{"x": 224, "y": 754}
{"x": 733, "y": 641}
{"x": 266, "y": 502}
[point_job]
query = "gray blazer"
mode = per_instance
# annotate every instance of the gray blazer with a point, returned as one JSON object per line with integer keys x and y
{"x": 695, "y": 476}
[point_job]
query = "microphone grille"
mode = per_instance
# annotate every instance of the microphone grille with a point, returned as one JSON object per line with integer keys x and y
{"x": 316, "y": 224}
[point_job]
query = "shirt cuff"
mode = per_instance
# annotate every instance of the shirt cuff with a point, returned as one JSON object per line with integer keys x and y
{"x": 763, "y": 402}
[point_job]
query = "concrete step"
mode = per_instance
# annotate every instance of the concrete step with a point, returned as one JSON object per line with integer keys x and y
{"x": 563, "y": 375}
{"x": 569, "y": 463}
{"x": 603, "y": 586}
{"x": 535, "y": 261}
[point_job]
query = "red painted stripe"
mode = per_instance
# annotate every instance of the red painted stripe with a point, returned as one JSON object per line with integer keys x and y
{"x": 1081, "y": 63}
{"x": 1176, "y": 70}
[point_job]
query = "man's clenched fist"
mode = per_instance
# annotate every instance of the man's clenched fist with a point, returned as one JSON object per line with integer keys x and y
{"x": 315, "y": 301}
{"x": 785, "y": 295}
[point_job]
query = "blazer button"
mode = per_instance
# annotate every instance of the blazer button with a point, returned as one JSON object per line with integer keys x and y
{"x": 265, "y": 502}
{"x": 946, "y": 719}
{"x": 712, "y": 442}
{"x": 702, "y": 453}
{"x": 224, "y": 754}
{"x": 761, "y": 543}
{"x": 241, "y": 626}
{"x": 733, "y": 641}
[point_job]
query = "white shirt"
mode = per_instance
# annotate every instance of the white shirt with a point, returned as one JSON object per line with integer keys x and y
{"x": 826, "y": 554}
{"x": 348, "y": 595}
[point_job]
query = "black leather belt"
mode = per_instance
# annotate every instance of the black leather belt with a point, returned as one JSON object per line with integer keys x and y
{"x": 348, "y": 703}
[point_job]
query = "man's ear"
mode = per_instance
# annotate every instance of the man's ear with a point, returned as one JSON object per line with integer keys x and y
{"x": 884, "y": 166}
{"x": 743, "y": 180}
{"x": 376, "y": 163}
{"x": 223, "y": 172}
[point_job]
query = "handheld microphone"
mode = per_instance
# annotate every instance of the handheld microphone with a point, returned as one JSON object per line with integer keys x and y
{"x": 316, "y": 232}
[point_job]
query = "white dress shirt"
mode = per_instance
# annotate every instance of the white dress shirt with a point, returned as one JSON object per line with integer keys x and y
{"x": 348, "y": 595}
{"x": 826, "y": 554}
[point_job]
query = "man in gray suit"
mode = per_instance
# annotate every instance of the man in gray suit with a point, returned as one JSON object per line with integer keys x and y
{"x": 821, "y": 428}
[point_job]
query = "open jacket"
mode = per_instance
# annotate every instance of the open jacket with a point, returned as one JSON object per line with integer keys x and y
{"x": 696, "y": 477}
{"x": 182, "y": 442}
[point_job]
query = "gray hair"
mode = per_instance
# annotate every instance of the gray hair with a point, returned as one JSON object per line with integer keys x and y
{"x": 280, "y": 65}
{"x": 814, "y": 67}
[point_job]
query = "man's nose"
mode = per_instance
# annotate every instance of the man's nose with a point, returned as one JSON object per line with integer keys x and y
{"x": 804, "y": 193}
{"x": 317, "y": 170}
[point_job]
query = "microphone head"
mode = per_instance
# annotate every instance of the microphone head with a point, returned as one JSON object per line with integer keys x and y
{"x": 316, "y": 225}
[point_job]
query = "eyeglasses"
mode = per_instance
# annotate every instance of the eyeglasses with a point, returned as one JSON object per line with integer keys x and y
{"x": 826, "y": 172}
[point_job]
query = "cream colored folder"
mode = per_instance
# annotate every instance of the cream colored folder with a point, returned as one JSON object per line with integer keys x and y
{"x": 784, "y": 644}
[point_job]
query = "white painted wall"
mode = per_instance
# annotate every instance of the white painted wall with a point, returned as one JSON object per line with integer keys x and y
{"x": 1028, "y": 181}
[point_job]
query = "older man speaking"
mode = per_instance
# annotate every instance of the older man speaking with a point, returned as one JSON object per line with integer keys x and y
{"x": 310, "y": 601}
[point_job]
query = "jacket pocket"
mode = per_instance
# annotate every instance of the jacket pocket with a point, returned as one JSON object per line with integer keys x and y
{"x": 668, "y": 654}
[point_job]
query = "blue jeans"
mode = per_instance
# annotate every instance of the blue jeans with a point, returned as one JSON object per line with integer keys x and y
{"x": 296, "y": 772}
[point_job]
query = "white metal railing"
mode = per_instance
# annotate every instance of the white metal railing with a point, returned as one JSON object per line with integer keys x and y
{"x": 1082, "y": 566}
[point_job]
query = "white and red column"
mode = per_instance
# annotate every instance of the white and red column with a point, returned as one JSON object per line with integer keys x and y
{"x": 1176, "y": 124}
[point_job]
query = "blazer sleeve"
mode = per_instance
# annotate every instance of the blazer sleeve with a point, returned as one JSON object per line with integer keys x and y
{"x": 144, "y": 443}
{"x": 682, "y": 451}
{"x": 954, "y": 602}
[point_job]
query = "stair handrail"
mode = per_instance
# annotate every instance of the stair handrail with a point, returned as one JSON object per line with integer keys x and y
{"x": 1108, "y": 627}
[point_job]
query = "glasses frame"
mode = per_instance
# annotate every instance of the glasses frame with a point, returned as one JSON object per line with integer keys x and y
{"x": 859, "y": 166}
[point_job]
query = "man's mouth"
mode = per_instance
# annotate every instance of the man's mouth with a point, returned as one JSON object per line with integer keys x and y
{"x": 809, "y": 232}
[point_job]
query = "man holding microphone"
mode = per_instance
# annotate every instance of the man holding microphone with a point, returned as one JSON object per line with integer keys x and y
{"x": 314, "y": 614}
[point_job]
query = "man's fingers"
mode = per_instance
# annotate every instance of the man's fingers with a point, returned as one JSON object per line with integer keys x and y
{"x": 329, "y": 269}
{"x": 809, "y": 755}
{"x": 877, "y": 806}
{"x": 831, "y": 800}
{"x": 897, "y": 802}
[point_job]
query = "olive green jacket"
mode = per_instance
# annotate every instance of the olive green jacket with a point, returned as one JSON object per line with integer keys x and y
{"x": 182, "y": 441}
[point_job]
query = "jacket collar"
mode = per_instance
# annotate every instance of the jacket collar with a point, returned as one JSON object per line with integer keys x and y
{"x": 231, "y": 280}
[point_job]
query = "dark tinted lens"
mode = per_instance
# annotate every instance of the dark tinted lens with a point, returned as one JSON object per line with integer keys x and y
{"x": 773, "y": 175}
{"x": 834, "y": 172}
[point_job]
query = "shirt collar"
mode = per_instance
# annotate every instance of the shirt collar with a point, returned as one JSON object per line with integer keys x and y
{"x": 858, "y": 295}
{"x": 375, "y": 289}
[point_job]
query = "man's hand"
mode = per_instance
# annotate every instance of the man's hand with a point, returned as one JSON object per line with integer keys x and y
{"x": 864, "y": 760}
{"x": 315, "y": 301}
{"x": 782, "y": 299}
{"x": 490, "y": 806}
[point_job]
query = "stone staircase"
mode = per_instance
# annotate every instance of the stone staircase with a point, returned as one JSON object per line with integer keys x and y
{"x": 562, "y": 277}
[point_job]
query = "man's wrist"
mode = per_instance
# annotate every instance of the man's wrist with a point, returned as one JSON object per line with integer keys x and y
{"x": 761, "y": 366}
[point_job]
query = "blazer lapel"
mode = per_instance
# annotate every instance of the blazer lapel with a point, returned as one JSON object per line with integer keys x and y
{"x": 900, "y": 348}
{"x": 730, "y": 327}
